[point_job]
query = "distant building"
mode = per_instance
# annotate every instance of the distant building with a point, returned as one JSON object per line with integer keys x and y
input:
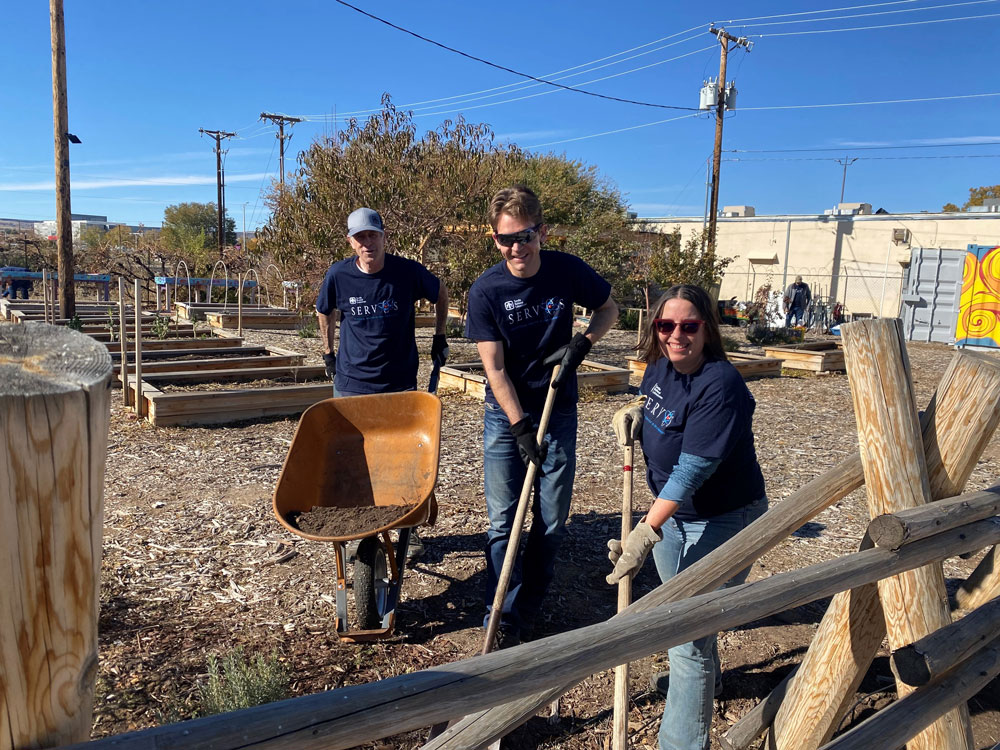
{"x": 848, "y": 254}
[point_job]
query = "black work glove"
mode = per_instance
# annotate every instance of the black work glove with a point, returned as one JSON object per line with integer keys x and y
{"x": 439, "y": 350}
{"x": 531, "y": 452}
{"x": 331, "y": 364}
{"x": 568, "y": 358}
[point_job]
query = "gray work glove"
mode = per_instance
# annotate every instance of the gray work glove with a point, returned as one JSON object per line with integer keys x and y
{"x": 629, "y": 560}
{"x": 627, "y": 422}
{"x": 330, "y": 360}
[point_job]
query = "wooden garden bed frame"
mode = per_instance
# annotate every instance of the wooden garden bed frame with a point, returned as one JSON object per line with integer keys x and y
{"x": 814, "y": 356}
{"x": 254, "y": 318}
{"x": 191, "y": 311}
{"x": 591, "y": 375}
{"x": 186, "y": 344}
{"x": 748, "y": 365}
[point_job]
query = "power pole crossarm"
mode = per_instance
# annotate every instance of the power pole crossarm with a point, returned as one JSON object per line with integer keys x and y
{"x": 218, "y": 135}
{"x": 280, "y": 121}
{"x": 720, "y": 109}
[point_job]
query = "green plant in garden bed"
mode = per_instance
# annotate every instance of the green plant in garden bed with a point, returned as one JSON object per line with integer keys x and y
{"x": 160, "y": 327}
{"x": 309, "y": 329}
{"x": 75, "y": 323}
{"x": 237, "y": 682}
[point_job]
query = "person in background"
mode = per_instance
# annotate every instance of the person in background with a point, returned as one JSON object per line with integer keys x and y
{"x": 8, "y": 290}
{"x": 521, "y": 316}
{"x": 375, "y": 293}
{"x": 694, "y": 418}
{"x": 796, "y": 301}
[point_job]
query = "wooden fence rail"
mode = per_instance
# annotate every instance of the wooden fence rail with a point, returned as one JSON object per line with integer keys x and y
{"x": 346, "y": 717}
{"x": 956, "y": 426}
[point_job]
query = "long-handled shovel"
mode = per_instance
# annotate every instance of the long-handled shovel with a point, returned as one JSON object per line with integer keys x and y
{"x": 515, "y": 533}
{"x": 619, "y": 735}
{"x": 512, "y": 544}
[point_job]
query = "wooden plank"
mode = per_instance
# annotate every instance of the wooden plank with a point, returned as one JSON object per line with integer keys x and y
{"x": 159, "y": 345}
{"x": 173, "y": 353}
{"x": 255, "y": 320}
{"x": 813, "y": 356}
{"x": 261, "y": 359}
{"x": 220, "y": 407}
{"x": 300, "y": 374}
{"x": 54, "y": 412}
{"x": 467, "y": 377}
{"x": 748, "y": 365}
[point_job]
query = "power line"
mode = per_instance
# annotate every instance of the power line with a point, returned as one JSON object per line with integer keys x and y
{"x": 869, "y": 28}
{"x": 813, "y": 12}
{"x": 522, "y": 85}
{"x": 868, "y": 158}
{"x": 876, "y": 13}
{"x": 612, "y": 132}
{"x": 841, "y": 149}
{"x": 345, "y": 116}
{"x": 510, "y": 70}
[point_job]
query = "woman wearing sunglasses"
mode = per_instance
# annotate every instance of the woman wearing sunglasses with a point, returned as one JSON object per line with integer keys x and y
{"x": 694, "y": 418}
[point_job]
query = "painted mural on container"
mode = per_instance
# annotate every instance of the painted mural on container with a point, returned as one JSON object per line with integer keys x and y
{"x": 979, "y": 306}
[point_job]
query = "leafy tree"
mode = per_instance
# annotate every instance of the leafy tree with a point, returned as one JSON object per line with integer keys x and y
{"x": 192, "y": 229}
{"x": 660, "y": 259}
{"x": 977, "y": 196}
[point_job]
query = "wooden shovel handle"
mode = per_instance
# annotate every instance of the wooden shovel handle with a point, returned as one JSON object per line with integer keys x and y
{"x": 515, "y": 533}
{"x": 619, "y": 735}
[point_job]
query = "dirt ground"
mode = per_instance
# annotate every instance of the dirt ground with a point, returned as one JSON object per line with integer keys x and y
{"x": 196, "y": 563}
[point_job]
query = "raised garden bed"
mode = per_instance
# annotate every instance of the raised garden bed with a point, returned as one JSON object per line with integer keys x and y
{"x": 815, "y": 356}
{"x": 471, "y": 379}
{"x": 748, "y": 365}
{"x": 254, "y": 318}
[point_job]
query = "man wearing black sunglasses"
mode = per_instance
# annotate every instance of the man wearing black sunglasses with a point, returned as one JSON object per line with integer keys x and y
{"x": 521, "y": 316}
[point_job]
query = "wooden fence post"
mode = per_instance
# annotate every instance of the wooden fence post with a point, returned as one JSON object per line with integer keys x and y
{"x": 138, "y": 350}
{"x": 54, "y": 404}
{"x": 982, "y": 585}
{"x": 892, "y": 453}
{"x": 958, "y": 423}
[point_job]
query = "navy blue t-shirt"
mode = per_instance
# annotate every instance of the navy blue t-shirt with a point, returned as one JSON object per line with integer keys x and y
{"x": 377, "y": 352}
{"x": 532, "y": 318}
{"x": 708, "y": 413}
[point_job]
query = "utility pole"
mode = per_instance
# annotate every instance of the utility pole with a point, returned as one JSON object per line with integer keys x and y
{"x": 720, "y": 109}
{"x": 280, "y": 121}
{"x": 843, "y": 182}
{"x": 218, "y": 135}
{"x": 60, "y": 117}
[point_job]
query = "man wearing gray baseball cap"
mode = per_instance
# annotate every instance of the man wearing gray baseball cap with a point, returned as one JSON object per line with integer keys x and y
{"x": 375, "y": 293}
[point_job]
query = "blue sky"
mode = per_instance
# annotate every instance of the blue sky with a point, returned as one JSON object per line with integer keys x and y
{"x": 144, "y": 77}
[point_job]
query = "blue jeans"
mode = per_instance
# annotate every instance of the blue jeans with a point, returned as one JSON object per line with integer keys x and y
{"x": 341, "y": 394}
{"x": 794, "y": 313}
{"x": 694, "y": 666}
{"x": 504, "y": 477}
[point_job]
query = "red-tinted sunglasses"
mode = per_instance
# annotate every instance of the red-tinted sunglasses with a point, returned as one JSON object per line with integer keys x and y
{"x": 666, "y": 326}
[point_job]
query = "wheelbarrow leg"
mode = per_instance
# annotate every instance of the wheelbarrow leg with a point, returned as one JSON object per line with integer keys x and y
{"x": 397, "y": 557}
{"x": 338, "y": 550}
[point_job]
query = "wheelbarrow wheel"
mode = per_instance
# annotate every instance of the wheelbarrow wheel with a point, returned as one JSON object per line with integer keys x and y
{"x": 371, "y": 574}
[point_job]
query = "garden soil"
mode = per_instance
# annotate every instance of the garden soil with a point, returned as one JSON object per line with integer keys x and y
{"x": 195, "y": 562}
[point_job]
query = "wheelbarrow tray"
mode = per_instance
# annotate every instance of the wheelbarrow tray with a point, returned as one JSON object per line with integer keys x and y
{"x": 360, "y": 451}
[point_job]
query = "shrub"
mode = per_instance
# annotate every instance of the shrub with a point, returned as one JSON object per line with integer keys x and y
{"x": 628, "y": 320}
{"x": 730, "y": 344}
{"x": 309, "y": 328}
{"x": 238, "y": 683}
{"x": 75, "y": 323}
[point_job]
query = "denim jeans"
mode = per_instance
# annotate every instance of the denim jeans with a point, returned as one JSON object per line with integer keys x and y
{"x": 794, "y": 313}
{"x": 504, "y": 477}
{"x": 694, "y": 666}
{"x": 342, "y": 394}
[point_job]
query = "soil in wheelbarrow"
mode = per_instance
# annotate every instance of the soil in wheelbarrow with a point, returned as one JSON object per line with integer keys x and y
{"x": 341, "y": 521}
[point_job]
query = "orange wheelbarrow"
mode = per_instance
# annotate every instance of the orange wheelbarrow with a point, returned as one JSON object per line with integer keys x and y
{"x": 363, "y": 459}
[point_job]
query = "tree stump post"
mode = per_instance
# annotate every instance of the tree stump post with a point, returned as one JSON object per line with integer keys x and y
{"x": 54, "y": 408}
{"x": 957, "y": 425}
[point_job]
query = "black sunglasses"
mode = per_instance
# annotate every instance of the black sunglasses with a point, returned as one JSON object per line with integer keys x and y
{"x": 666, "y": 326}
{"x": 524, "y": 237}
